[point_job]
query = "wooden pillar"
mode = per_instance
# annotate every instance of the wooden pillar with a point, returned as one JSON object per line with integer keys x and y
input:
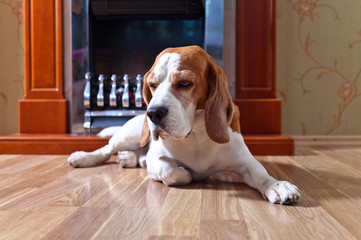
{"x": 256, "y": 76}
{"x": 43, "y": 109}
{"x": 260, "y": 110}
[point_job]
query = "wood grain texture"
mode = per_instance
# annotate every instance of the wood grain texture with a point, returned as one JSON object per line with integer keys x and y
{"x": 42, "y": 197}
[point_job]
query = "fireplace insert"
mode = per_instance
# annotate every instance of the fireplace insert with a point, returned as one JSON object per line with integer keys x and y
{"x": 115, "y": 42}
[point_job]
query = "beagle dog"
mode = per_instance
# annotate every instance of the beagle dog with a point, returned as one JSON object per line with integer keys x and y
{"x": 191, "y": 129}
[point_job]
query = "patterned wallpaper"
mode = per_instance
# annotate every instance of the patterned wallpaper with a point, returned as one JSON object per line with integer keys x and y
{"x": 318, "y": 65}
{"x": 11, "y": 64}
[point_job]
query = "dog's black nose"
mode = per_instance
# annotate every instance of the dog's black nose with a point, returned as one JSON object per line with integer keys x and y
{"x": 156, "y": 114}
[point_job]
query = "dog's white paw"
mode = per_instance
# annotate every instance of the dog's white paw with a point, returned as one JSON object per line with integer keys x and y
{"x": 282, "y": 192}
{"x": 127, "y": 159}
{"x": 79, "y": 159}
{"x": 142, "y": 161}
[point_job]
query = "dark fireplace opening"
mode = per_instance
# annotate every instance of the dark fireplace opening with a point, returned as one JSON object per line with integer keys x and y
{"x": 126, "y": 36}
{"x": 130, "y": 46}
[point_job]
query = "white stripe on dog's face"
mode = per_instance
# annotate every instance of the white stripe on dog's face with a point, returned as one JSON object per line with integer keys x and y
{"x": 179, "y": 119}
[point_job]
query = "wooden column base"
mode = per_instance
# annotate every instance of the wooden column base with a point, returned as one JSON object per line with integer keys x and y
{"x": 259, "y": 116}
{"x": 261, "y": 127}
{"x": 68, "y": 143}
{"x": 270, "y": 144}
{"x": 43, "y": 116}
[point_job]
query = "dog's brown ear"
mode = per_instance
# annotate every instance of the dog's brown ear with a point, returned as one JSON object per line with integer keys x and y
{"x": 145, "y": 133}
{"x": 219, "y": 105}
{"x": 147, "y": 96}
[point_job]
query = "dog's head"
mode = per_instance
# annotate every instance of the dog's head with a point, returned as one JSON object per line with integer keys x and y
{"x": 181, "y": 81}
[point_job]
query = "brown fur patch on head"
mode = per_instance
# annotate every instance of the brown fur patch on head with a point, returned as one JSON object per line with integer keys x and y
{"x": 184, "y": 86}
{"x": 210, "y": 92}
{"x": 193, "y": 65}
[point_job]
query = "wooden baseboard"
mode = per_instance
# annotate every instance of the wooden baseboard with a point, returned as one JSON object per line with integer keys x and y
{"x": 327, "y": 140}
{"x": 49, "y": 143}
{"x": 68, "y": 143}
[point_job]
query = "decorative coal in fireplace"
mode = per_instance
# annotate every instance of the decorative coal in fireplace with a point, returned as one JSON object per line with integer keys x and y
{"x": 114, "y": 43}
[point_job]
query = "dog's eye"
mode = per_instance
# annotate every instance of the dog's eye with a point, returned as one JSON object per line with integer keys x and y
{"x": 153, "y": 86}
{"x": 184, "y": 84}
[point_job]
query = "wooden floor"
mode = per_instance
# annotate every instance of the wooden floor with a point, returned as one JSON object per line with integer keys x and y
{"x": 41, "y": 197}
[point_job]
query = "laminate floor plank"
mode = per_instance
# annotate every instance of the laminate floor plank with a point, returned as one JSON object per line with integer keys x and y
{"x": 308, "y": 220}
{"x": 180, "y": 213}
{"x": 42, "y": 197}
{"x": 328, "y": 169}
{"x": 339, "y": 206}
{"x": 219, "y": 198}
{"x": 31, "y": 224}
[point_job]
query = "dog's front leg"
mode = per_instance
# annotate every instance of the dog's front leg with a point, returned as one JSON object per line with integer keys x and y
{"x": 166, "y": 170}
{"x": 256, "y": 176}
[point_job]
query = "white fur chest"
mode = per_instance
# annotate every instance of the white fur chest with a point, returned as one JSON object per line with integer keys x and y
{"x": 197, "y": 152}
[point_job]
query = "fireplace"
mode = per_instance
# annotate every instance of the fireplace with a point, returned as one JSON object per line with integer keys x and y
{"x": 115, "y": 42}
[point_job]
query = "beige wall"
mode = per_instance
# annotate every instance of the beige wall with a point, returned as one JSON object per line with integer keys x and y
{"x": 318, "y": 65}
{"x": 11, "y": 64}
